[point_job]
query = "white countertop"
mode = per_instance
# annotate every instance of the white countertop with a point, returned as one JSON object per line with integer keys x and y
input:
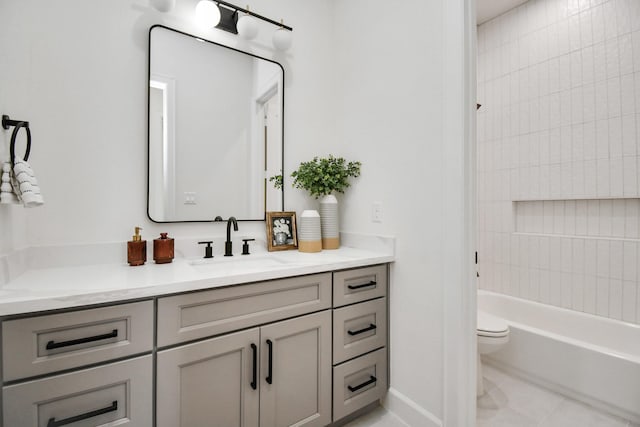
{"x": 63, "y": 287}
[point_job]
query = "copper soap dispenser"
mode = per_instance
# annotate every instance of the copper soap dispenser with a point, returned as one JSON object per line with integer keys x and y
{"x": 137, "y": 249}
{"x": 163, "y": 249}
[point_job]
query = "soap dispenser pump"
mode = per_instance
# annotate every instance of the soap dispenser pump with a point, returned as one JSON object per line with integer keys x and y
{"x": 137, "y": 249}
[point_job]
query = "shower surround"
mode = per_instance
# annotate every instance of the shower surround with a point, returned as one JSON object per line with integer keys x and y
{"x": 559, "y": 155}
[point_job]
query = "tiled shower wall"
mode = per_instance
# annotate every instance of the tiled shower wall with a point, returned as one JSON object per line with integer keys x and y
{"x": 559, "y": 155}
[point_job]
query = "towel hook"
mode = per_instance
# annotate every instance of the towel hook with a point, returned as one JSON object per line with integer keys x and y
{"x": 6, "y": 123}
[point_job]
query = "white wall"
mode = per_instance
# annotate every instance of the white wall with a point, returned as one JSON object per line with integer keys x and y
{"x": 389, "y": 115}
{"x": 77, "y": 70}
{"x": 559, "y": 155}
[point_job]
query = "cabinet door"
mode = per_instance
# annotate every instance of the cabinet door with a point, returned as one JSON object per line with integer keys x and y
{"x": 210, "y": 383}
{"x": 295, "y": 387}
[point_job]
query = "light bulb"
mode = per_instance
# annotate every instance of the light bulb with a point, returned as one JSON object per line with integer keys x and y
{"x": 207, "y": 13}
{"x": 163, "y": 5}
{"x": 247, "y": 27}
{"x": 282, "y": 39}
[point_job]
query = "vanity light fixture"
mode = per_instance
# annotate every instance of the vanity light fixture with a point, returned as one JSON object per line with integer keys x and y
{"x": 207, "y": 14}
{"x": 224, "y": 16}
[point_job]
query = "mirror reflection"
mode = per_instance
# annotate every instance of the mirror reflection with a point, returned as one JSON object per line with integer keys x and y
{"x": 215, "y": 130}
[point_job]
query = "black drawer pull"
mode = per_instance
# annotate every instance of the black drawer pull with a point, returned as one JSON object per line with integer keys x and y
{"x": 364, "y": 285}
{"x": 51, "y": 345}
{"x": 371, "y": 380}
{"x": 371, "y": 327}
{"x": 254, "y": 380}
{"x": 53, "y": 423}
{"x": 269, "y": 378}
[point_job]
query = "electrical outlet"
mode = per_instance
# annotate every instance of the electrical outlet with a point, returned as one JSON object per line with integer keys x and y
{"x": 376, "y": 212}
{"x": 189, "y": 198}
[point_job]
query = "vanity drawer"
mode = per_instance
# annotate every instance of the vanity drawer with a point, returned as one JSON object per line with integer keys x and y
{"x": 115, "y": 394}
{"x": 359, "y": 382}
{"x": 44, "y": 344}
{"x": 207, "y": 313}
{"x": 351, "y": 286}
{"x": 358, "y": 329}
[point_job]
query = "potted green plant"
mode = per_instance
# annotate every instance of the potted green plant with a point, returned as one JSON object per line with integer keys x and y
{"x": 322, "y": 177}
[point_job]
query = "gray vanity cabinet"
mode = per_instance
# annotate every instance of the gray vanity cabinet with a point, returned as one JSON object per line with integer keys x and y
{"x": 211, "y": 379}
{"x": 210, "y": 383}
{"x": 216, "y": 382}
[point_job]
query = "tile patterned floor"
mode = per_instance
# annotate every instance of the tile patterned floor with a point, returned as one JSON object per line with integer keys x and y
{"x": 512, "y": 402}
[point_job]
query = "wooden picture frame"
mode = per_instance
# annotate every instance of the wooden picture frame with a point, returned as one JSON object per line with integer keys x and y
{"x": 282, "y": 234}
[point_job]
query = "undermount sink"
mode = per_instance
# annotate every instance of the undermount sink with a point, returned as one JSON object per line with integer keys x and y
{"x": 239, "y": 261}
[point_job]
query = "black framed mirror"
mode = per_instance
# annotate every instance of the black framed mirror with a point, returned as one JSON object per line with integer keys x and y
{"x": 215, "y": 130}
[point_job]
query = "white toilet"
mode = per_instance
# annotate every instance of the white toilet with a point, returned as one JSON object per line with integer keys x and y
{"x": 493, "y": 334}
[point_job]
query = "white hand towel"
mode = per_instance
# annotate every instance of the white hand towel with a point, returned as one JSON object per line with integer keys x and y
{"x": 26, "y": 185}
{"x": 7, "y": 195}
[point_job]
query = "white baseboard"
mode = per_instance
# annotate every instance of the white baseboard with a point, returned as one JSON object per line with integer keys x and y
{"x": 409, "y": 411}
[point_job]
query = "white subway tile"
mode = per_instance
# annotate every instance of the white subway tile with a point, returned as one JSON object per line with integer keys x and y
{"x": 603, "y": 258}
{"x": 577, "y": 179}
{"x": 567, "y": 180}
{"x": 615, "y": 299}
{"x": 523, "y": 283}
{"x": 565, "y": 144}
{"x": 601, "y": 100}
{"x": 590, "y": 178}
{"x": 581, "y": 221}
{"x": 575, "y": 59}
{"x": 589, "y": 135}
{"x": 534, "y": 284}
{"x": 609, "y": 16}
{"x": 634, "y": 15}
{"x": 555, "y": 288}
{"x": 566, "y": 255}
{"x": 630, "y": 261}
{"x": 555, "y": 181}
{"x": 635, "y": 41}
{"x": 578, "y": 255}
{"x": 577, "y": 292}
{"x": 555, "y": 254}
{"x": 629, "y": 301}
{"x": 618, "y": 218}
{"x": 606, "y": 215}
{"x": 615, "y": 137}
{"x": 616, "y": 258}
{"x": 586, "y": 32}
{"x": 597, "y": 24}
{"x": 627, "y": 95}
{"x": 623, "y": 22}
{"x": 602, "y": 296}
{"x": 632, "y": 213}
{"x": 603, "y": 178}
{"x": 590, "y": 294}
{"x": 628, "y": 130}
{"x": 625, "y": 47}
{"x": 590, "y": 257}
{"x": 612, "y": 53}
{"x": 630, "y": 166}
{"x": 589, "y": 102}
{"x": 556, "y": 147}
{"x": 616, "y": 177}
{"x": 545, "y": 287}
{"x": 565, "y": 290}
{"x": 577, "y": 142}
{"x": 613, "y": 97}
{"x": 574, "y": 33}
{"x": 564, "y": 68}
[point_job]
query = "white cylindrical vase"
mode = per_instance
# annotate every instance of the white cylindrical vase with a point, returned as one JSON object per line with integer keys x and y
{"x": 329, "y": 222}
{"x": 309, "y": 232}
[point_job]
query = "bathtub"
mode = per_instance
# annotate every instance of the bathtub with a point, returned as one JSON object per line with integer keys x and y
{"x": 586, "y": 357}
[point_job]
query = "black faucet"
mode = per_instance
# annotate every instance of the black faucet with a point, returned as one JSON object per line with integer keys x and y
{"x": 228, "y": 245}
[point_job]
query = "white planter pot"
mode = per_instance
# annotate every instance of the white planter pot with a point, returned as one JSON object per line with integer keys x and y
{"x": 329, "y": 222}
{"x": 309, "y": 234}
